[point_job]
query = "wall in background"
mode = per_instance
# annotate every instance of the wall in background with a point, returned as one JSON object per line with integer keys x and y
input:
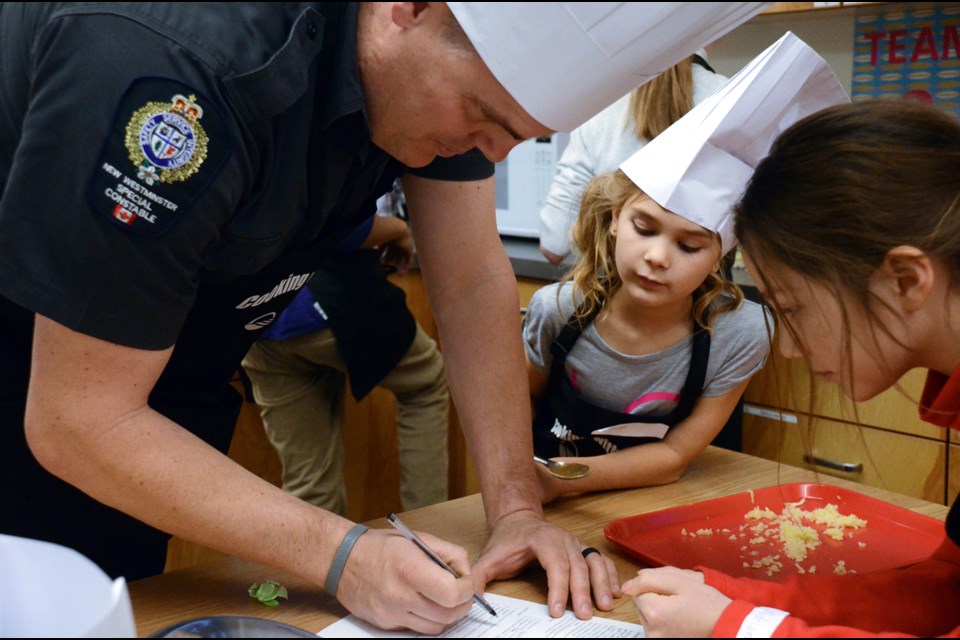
{"x": 831, "y": 33}
{"x": 828, "y": 31}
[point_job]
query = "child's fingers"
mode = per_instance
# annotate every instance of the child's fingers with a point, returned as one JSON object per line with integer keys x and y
{"x": 662, "y": 580}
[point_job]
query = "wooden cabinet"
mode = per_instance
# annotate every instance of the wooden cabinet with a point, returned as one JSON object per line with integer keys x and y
{"x": 882, "y": 442}
{"x": 885, "y": 459}
{"x": 787, "y": 384}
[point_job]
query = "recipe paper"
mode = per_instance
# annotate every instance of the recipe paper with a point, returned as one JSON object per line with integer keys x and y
{"x": 515, "y": 619}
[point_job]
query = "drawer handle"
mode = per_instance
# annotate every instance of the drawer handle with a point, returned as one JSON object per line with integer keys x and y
{"x": 846, "y": 467}
{"x": 770, "y": 414}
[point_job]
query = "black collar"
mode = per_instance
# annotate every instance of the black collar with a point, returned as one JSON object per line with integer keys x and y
{"x": 344, "y": 93}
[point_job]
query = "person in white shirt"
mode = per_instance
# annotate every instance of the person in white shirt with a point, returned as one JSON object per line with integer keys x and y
{"x": 599, "y": 145}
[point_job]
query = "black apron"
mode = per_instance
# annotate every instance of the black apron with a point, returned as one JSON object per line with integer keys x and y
{"x": 367, "y": 314}
{"x": 564, "y": 420}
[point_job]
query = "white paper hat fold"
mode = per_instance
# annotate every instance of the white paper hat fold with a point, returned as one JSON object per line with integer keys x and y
{"x": 699, "y": 167}
{"x": 55, "y": 592}
{"x": 566, "y": 61}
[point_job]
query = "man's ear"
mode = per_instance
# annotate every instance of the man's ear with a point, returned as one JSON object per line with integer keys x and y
{"x": 407, "y": 14}
{"x": 908, "y": 275}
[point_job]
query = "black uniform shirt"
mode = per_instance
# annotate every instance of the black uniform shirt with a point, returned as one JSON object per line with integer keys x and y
{"x": 149, "y": 148}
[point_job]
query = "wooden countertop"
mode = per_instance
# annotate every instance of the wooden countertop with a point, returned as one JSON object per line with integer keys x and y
{"x": 220, "y": 588}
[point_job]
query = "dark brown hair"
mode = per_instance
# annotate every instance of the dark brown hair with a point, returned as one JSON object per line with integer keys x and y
{"x": 843, "y": 187}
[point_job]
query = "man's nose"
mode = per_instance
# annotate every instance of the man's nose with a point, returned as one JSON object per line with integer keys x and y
{"x": 494, "y": 148}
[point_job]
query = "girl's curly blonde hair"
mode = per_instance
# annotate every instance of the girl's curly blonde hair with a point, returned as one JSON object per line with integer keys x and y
{"x": 594, "y": 276}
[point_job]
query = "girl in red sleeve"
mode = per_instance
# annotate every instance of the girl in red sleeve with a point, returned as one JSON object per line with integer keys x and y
{"x": 851, "y": 229}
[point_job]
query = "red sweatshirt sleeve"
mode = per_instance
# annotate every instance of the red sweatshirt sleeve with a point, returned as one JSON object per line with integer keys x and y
{"x": 922, "y": 599}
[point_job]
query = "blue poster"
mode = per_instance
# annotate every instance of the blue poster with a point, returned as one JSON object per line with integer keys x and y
{"x": 912, "y": 54}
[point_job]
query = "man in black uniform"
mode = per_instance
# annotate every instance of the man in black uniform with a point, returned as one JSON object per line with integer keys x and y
{"x": 171, "y": 174}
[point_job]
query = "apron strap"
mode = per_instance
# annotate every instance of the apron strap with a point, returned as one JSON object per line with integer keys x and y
{"x": 563, "y": 343}
{"x": 696, "y": 375}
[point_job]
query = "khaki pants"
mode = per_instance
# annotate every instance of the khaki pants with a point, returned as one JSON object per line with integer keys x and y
{"x": 299, "y": 385}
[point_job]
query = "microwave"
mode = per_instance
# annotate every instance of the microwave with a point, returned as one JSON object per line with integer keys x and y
{"x": 522, "y": 181}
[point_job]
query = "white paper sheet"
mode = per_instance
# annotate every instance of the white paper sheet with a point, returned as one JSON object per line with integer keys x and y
{"x": 515, "y": 619}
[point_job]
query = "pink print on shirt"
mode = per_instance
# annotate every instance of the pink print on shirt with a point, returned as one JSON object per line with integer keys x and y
{"x": 655, "y": 396}
{"x": 573, "y": 381}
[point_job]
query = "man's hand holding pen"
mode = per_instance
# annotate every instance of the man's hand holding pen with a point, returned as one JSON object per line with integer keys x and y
{"x": 427, "y": 598}
{"x": 412, "y": 537}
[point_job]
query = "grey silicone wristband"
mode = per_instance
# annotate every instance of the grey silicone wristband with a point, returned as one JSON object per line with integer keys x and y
{"x": 340, "y": 559}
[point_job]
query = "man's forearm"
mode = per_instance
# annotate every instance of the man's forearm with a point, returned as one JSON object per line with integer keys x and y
{"x": 483, "y": 353}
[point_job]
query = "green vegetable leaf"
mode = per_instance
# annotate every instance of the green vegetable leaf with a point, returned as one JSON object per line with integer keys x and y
{"x": 268, "y": 592}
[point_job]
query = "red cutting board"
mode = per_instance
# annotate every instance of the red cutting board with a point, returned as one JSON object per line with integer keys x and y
{"x": 892, "y": 537}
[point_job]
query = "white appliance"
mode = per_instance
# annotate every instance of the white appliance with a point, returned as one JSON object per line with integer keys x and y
{"x": 523, "y": 181}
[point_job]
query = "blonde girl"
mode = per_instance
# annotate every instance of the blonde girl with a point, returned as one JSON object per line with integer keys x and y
{"x": 644, "y": 338}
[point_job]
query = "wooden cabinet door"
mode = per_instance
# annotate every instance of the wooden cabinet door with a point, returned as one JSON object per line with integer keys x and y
{"x": 906, "y": 464}
{"x": 527, "y": 287}
{"x": 787, "y": 384}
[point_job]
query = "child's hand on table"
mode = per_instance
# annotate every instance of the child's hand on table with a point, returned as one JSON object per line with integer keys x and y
{"x": 675, "y": 602}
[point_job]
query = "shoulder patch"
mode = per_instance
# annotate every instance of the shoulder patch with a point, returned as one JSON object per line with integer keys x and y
{"x": 166, "y": 145}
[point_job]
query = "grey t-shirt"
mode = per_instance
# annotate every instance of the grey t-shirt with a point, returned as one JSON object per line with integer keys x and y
{"x": 649, "y": 383}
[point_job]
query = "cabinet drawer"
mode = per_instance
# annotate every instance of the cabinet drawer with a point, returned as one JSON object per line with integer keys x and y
{"x": 787, "y": 384}
{"x": 906, "y": 464}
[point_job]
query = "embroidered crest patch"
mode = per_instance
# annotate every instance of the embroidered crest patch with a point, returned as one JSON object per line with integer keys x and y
{"x": 166, "y": 141}
{"x": 165, "y": 147}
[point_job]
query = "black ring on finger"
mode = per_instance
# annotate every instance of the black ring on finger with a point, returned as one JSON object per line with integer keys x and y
{"x": 588, "y": 551}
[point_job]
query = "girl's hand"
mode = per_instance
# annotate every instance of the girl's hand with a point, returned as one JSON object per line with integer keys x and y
{"x": 550, "y": 485}
{"x": 398, "y": 254}
{"x": 675, "y": 602}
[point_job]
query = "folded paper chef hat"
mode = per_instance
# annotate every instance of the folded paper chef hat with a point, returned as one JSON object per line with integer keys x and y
{"x": 699, "y": 167}
{"x": 566, "y": 61}
{"x": 51, "y": 591}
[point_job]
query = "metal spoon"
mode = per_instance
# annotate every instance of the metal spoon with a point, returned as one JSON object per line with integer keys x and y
{"x": 565, "y": 470}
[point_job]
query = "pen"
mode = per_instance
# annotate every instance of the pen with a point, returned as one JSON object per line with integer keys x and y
{"x": 412, "y": 537}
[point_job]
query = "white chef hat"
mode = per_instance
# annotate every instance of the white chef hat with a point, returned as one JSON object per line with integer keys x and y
{"x": 566, "y": 61}
{"x": 53, "y": 591}
{"x": 699, "y": 167}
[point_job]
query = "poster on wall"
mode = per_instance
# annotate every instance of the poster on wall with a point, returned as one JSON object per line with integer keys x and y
{"x": 912, "y": 54}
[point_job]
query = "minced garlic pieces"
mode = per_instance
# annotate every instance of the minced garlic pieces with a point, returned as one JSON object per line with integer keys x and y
{"x": 792, "y": 529}
{"x": 798, "y": 540}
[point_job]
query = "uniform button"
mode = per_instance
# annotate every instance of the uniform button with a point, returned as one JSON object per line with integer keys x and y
{"x": 312, "y": 30}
